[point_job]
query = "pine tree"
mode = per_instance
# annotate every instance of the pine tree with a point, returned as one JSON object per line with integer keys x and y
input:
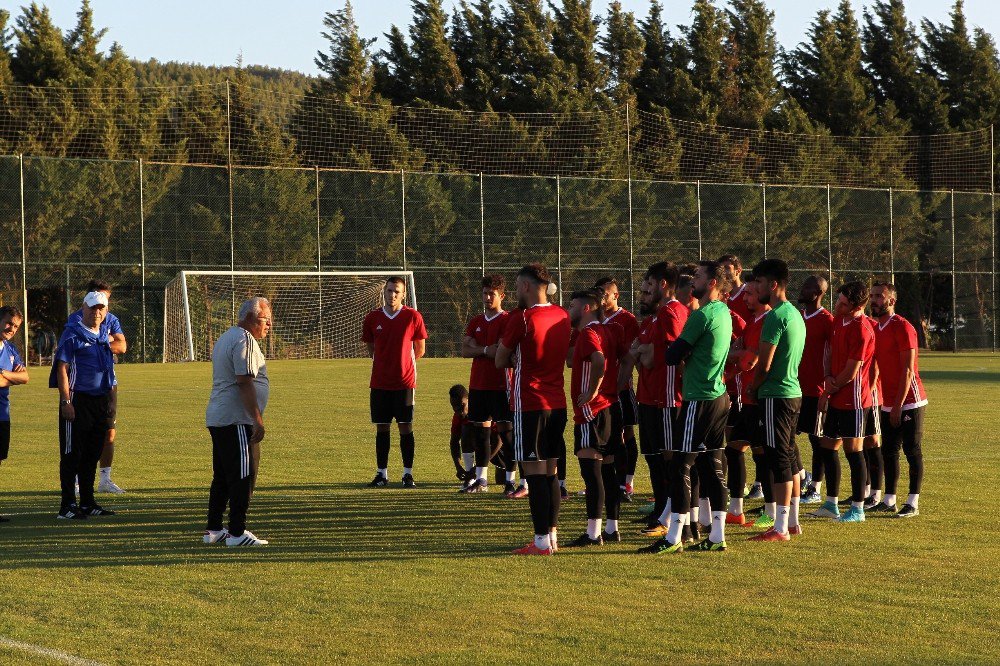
{"x": 574, "y": 36}
{"x": 435, "y": 76}
{"x": 479, "y": 45}
{"x": 704, "y": 71}
{"x": 347, "y": 69}
{"x": 82, "y": 43}
{"x": 652, "y": 86}
{"x": 622, "y": 54}
{"x": 537, "y": 80}
{"x": 752, "y": 45}
{"x": 394, "y": 69}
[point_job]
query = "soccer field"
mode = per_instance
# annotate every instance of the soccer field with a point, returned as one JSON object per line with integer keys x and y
{"x": 363, "y": 575}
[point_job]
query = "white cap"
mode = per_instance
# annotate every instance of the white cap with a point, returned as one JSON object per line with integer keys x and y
{"x": 95, "y": 298}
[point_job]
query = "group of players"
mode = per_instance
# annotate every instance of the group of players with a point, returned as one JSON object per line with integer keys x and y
{"x": 724, "y": 367}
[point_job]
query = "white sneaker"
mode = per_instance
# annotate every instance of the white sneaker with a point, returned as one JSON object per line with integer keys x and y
{"x": 215, "y": 536}
{"x": 245, "y": 539}
{"x": 109, "y": 486}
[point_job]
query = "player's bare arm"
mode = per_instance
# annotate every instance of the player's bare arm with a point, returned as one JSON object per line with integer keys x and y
{"x": 419, "y": 348}
{"x": 765, "y": 355}
{"x": 503, "y": 357}
{"x": 597, "y": 364}
{"x": 248, "y": 396}
{"x": 471, "y": 349}
{"x": 118, "y": 343}
{"x": 907, "y": 359}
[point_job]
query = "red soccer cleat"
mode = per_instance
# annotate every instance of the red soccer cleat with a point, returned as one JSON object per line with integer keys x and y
{"x": 770, "y": 535}
{"x": 795, "y": 530}
{"x": 522, "y": 491}
{"x": 532, "y": 549}
{"x": 734, "y": 519}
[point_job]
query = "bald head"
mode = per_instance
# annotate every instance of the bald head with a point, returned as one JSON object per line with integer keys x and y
{"x": 813, "y": 290}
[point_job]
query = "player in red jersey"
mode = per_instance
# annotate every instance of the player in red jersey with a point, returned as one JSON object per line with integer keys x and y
{"x": 904, "y": 399}
{"x": 873, "y": 436}
{"x": 745, "y": 433}
{"x": 488, "y": 399}
{"x": 847, "y": 396}
{"x": 685, "y": 285}
{"x": 535, "y": 344}
{"x": 594, "y": 368}
{"x": 628, "y": 453}
{"x": 396, "y": 337}
{"x": 734, "y": 272}
{"x": 813, "y": 370}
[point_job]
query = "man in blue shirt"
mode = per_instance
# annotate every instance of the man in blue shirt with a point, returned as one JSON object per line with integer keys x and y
{"x": 12, "y": 373}
{"x": 85, "y": 373}
{"x": 113, "y": 328}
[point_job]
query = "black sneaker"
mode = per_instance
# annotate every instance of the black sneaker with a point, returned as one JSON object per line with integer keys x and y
{"x": 509, "y": 489}
{"x": 626, "y": 495}
{"x": 696, "y": 531}
{"x": 708, "y": 545}
{"x": 408, "y": 481}
{"x": 662, "y": 546}
{"x": 96, "y": 510}
{"x": 908, "y": 511}
{"x": 881, "y": 507}
{"x": 378, "y": 482}
{"x": 477, "y": 486}
{"x": 871, "y": 502}
{"x": 72, "y": 512}
{"x": 460, "y": 474}
{"x": 563, "y": 492}
{"x": 612, "y": 537}
{"x": 585, "y": 540}
{"x": 845, "y": 502}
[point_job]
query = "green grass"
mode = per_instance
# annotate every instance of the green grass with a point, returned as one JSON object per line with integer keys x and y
{"x": 406, "y": 576}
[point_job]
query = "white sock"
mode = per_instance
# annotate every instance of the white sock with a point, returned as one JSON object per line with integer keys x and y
{"x": 694, "y": 514}
{"x": 628, "y": 479}
{"x": 704, "y": 512}
{"x": 736, "y": 505}
{"x": 889, "y": 500}
{"x": 802, "y": 474}
{"x": 610, "y": 526}
{"x": 542, "y": 541}
{"x": 593, "y": 527}
{"x": 407, "y": 470}
{"x": 769, "y": 508}
{"x": 510, "y": 476}
{"x": 912, "y": 500}
{"x": 468, "y": 461}
{"x": 105, "y": 473}
{"x": 481, "y": 473}
{"x": 553, "y": 538}
{"x": 793, "y": 515}
{"x": 832, "y": 500}
{"x": 781, "y": 520}
{"x": 524, "y": 483}
{"x": 718, "y": 533}
{"x": 858, "y": 505}
{"x": 818, "y": 486}
{"x": 675, "y": 528}
{"x": 878, "y": 495}
{"x": 868, "y": 490}
{"x": 384, "y": 472}
{"x": 665, "y": 515}
{"x": 687, "y": 518}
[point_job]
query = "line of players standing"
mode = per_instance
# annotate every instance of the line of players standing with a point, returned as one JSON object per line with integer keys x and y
{"x": 714, "y": 382}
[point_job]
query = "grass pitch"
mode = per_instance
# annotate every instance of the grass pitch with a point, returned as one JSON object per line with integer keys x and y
{"x": 356, "y": 575}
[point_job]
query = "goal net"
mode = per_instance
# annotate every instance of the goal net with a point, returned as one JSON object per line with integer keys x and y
{"x": 315, "y": 314}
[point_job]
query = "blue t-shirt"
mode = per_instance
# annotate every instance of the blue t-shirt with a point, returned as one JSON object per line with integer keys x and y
{"x": 110, "y": 326}
{"x": 9, "y": 359}
{"x": 91, "y": 363}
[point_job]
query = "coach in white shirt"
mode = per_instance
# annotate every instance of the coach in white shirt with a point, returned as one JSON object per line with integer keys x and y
{"x": 235, "y": 418}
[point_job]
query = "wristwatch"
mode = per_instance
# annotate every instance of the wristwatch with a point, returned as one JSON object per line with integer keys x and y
{"x": 66, "y": 402}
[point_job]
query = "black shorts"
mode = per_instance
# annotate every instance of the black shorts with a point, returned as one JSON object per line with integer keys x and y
{"x": 733, "y": 415}
{"x": 89, "y": 426}
{"x": 848, "y": 423}
{"x": 908, "y": 435}
{"x": 595, "y": 434}
{"x": 113, "y": 408}
{"x": 700, "y": 425}
{"x": 4, "y": 439}
{"x": 629, "y": 406}
{"x": 650, "y": 429}
{"x": 538, "y": 434}
{"x": 388, "y": 405}
{"x": 747, "y": 426}
{"x": 488, "y": 406}
{"x": 779, "y": 417}
{"x": 873, "y": 421}
{"x": 808, "y": 416}
{"x": 616, "y": 439}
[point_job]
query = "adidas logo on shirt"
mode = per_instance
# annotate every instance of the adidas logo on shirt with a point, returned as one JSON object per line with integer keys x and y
{"x": 379, "y": 327}
{"x": 478, "y": 329}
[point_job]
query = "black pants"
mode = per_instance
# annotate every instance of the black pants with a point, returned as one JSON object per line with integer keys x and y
{"x": 81, "y": 442}
{"x": 232, "y": 477}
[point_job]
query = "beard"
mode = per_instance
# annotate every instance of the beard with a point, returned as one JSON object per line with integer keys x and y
{"x": 521, "y": 303}
{"x": 878, "y": 311}
{"x": 646, "y": 308}
{"x": 764, "y": 299}
{"x": 805, "y": 299}
{"x": 574, "y": 321}
{"x": 699, "y": 293}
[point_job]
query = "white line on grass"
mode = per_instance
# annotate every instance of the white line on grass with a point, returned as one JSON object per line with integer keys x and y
{"x": 55, "y": 655}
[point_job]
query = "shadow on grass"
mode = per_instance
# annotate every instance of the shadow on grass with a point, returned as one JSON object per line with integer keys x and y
{"x": 972, "y": 376}
{"x": 334, "y": 522}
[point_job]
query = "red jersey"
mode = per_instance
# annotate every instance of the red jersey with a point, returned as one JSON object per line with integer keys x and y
{"x": 736, "y": 304}
{"x": 812, "y": 369}
{"x": 486, "y": 376}
{"x": 393, "y": 362}
{"x": 892, "y": 338}
{"x": 652, "y": 386}
{"x": 853, "y": 339}
{"x": 457, "y": 421}
{"x": 664, "y": 330}
{"x": 630, "y": 327}
{"x": 751, "y": 342}
{"x": 539, "y": 336}
{"x": 614, "y": 346}
{"x": 593, "y": 338}
{"x": 875, "y": 370}
{"x": 739, "y": 326}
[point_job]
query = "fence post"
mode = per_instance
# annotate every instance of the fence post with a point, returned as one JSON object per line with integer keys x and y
{"x": 482, "y": 222}
{"x": 954, "y": 282}
{"x": 993, "y": 239}
{"x": 319, "y": 261}
{"x": 229, "y": 170}
{"x": 763, "y": 207}
{"x": 24, "y": 267}
{"x": 402, "y": 190}
{"x": 829, "y": 244}
{"x": 892, "y": 243}
{"x": 559, "y": 238}
{"x": 697, "y": 190}
{"x": 142, "y": 260}
{"x": 631, "y": 248}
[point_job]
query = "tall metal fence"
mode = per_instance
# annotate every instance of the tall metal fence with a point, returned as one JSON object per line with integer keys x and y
{"x": 136, "y": 224}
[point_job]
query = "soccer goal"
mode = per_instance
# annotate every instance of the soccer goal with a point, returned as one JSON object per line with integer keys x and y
{"x": 316, "y": 314}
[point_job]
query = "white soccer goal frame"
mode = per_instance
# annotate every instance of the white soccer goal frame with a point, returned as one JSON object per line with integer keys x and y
{"x": 183, "y": 275}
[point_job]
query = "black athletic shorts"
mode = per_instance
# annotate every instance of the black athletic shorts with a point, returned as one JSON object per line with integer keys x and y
{"x": 488, "y": 406}
{"x": 909, "y": 433}
{"x": 650, "y": 429}
{"x": 778, "y": 418}
{"x": 808, "y": 415}
{"x": 538, "y": 434}
{"x": 616, "y": 439}
{"x": 4, "y": 439}
{"x": 733, "y": 415}
{"x": 629, "y": 406}
{"x": 747, "y": 426}
{"x": 595, "y": 434}
{"x": 847, "y": 423}
{"x": 700, "y": 425}
{"x": 388, "y": 405}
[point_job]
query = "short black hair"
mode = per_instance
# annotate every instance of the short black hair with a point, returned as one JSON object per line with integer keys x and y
{"x": 730, "y": 259}
{"x": 714, "y": 271}
{"x": 396, "y": 279}
{"x": 772, "y": 269}
{"x": 856, "y": 293}
{"x": 888, "y": 286}
{"x": 457, "y": 392}
{"x": 688, "y": 268}
{"x": 495, "y": 282}
{"x": 98, "y": 285}
{"x": 664, "y": 271}
{"x": 536, "y": 272}
{"x": 11, "y": 311}
{"x": 592, "y": 296}
{"x": 684, "y": 281}
{"x": 605, "y": 282}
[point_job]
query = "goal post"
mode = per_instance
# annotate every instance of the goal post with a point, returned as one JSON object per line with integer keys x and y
{"x": 316, "y": 314}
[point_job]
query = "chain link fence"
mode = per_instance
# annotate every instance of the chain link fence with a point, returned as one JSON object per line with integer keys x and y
{"x": 137, "y": 224}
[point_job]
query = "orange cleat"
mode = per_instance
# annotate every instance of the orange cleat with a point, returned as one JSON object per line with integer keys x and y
{"x": 795, "y": 530}
{"x": 770, "y": 535}
{"x": 532, "y": 549}
{"x": 736, "y": 519}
